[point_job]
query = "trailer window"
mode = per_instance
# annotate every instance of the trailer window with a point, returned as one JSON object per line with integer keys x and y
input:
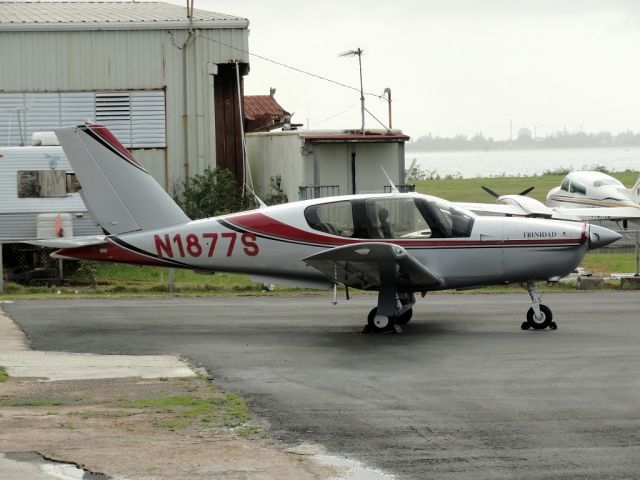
{"x": 46, "y": 183}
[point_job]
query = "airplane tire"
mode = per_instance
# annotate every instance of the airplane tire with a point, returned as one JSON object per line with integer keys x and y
{"x": 405, "y": 317}
{"x": 376, "y": 322}
{"x": 545, "y": 320}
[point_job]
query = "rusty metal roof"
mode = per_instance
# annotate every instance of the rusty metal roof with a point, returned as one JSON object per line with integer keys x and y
{"x": 355, "y": 137}
{"x": 108, "y": 15}
{"x": 257, "y": 105}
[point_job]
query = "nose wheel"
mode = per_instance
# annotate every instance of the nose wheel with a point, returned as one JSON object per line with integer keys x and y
{"x": 539, "y": 316}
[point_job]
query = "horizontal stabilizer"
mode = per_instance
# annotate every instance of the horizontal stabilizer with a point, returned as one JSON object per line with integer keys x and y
{"x": 72, "y": 242}
{"x": 361, "y": 266}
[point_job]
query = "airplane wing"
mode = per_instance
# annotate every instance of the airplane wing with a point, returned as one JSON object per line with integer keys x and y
{"x": 71, "y": 242}
{"x": 363, "y": 266}
{"x": 493, "y": 208}
{"x": 533, "y": 209}
{"x": 597, "y": 213}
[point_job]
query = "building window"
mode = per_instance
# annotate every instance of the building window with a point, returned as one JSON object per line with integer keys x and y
{"x": 46, "y": 183}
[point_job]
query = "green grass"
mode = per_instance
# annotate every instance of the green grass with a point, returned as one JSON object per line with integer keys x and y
{"x": 601, "y": 262}
{"x": 3, "y": 375}
{"x": 224, "y": 411}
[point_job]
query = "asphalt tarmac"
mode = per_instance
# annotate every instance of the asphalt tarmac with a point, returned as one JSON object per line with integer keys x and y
{"x": 463, "y": 393}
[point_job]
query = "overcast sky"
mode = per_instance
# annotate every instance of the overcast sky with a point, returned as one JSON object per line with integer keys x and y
{"x": 453, "y": 66}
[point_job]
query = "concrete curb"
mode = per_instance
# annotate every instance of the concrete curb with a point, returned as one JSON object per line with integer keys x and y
{"x": 20, "y": 361}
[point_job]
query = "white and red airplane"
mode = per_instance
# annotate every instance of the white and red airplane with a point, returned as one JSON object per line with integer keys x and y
{"x": 395, "y": 244}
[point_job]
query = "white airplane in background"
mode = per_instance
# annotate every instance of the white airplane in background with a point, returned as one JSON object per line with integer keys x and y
{"x": 593, "y": 189}
{"x": 395, "y": 244}
{"x": 597, "y": 202}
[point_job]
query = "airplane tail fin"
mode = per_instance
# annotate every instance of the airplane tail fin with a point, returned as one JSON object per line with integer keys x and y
{"x": 119, "y": 193}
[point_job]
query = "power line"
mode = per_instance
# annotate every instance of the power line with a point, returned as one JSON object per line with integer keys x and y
{"x": 295, "y": 69}
{"x": 336, "y": 115}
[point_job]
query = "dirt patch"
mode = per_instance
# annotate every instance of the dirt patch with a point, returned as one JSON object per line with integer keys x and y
{"x": 146, "y": 429}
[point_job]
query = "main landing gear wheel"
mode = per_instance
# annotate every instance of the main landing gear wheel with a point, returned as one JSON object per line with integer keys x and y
{"x": 541, "y": 321}
{"x": 405, "y": 317}
{"x": 379, "y": 323}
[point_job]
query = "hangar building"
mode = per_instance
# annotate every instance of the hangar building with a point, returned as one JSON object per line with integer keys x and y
{"x": 165, "y": 79}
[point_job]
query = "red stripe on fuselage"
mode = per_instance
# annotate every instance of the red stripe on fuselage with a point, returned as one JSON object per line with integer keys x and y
{"x": 111, "y": 252}
{"x": 265, "y": 226}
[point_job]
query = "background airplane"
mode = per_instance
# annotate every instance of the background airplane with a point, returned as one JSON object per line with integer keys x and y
{"x": 395, "y": 244}
{"x": 593, "y": 189}
{"x": 584, "y": 207}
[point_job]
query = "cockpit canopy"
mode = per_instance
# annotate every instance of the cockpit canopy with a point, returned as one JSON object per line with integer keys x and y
{"x": 389, "y": 217}
{"x": 608, "y": 181}
{"x": 576, "y": 182}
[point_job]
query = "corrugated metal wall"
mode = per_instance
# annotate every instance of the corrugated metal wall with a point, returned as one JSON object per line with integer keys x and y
{"x": 130, "y": 60}
{"x": 136, "y": 118}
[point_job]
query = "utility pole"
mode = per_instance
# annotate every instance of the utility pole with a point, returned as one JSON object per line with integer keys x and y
{"x": 353, "y": 53}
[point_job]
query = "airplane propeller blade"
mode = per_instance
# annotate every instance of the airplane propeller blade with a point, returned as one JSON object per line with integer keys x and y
{"x": 524, "y": 192}
{"x": 489, "y": 191}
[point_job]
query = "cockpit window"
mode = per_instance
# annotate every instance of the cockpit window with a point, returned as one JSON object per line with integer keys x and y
{"x": 607, "y": 181}
{"x": 386, "y": 217}
{"x": 565, "y": 184}
{"x": 577, "y": 188}
{"x": 334, "y": 218}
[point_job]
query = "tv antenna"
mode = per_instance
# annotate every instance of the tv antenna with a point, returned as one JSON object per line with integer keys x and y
{"x": 352, "y": 53}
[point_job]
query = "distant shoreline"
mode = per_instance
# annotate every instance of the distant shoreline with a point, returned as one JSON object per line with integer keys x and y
{"x": 409, "y": 147}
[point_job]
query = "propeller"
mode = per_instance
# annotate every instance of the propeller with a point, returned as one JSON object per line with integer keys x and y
{"x": 495, "y": 195}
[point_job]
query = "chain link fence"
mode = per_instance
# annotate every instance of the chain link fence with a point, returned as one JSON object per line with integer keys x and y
{"x": 30, "y": 268}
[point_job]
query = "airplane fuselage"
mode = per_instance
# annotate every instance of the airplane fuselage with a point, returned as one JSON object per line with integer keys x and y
{"x": 271, "y": 244}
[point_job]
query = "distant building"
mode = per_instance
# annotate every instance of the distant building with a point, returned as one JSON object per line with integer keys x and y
{"x": 165, "y": 80}
{"x": 316, "y": 163}
{"x": 262, "y": 113}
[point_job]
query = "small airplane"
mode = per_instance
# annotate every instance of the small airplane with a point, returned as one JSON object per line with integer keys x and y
{"x": 522, "y": 205}
{"x": 593, "y": 189}
{"x": 397, "y": 244}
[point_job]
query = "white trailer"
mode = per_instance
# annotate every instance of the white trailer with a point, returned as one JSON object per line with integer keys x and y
{"x": 36, "y": 181}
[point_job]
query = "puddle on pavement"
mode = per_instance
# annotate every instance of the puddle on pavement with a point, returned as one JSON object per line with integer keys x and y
{"x": 59, "y": 470}
{"x": 355, "y": 470}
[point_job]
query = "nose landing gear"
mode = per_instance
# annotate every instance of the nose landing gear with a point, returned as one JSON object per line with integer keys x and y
{"x": 539, "y": 316}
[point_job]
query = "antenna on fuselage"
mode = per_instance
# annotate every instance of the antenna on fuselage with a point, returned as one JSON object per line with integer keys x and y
{"x": 394, "y": 189}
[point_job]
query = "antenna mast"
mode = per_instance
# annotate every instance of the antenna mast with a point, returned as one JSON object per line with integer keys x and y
{"x": 353, "y": 53}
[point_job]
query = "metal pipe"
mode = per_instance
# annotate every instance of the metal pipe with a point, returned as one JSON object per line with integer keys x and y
{"x": 185, "y": 105}
{"x": 1, "y": 271}
{"x": 637, "y": 253}
{"x": 359, "y": 52}
{"x": 388, "y": 92}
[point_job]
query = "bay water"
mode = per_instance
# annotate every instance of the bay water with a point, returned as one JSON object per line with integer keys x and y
{"x": 496, "y": 163}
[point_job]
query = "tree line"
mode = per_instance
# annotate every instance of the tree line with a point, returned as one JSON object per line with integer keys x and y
{"x": 525, "y": 140}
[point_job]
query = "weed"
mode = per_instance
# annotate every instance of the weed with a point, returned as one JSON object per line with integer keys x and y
{"x": 3, "y": 374}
